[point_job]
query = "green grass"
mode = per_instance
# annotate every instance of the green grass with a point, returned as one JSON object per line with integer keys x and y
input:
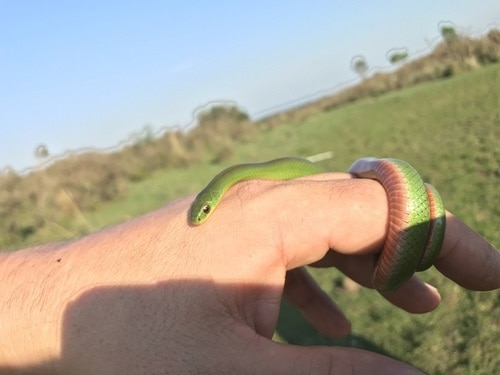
{"x": 450, "y": 131}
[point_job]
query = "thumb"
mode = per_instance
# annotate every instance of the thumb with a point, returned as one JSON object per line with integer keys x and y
{"x": 274, "y": 358}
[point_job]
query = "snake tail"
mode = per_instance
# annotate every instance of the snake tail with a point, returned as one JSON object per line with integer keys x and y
{"x": 410, "y": 242}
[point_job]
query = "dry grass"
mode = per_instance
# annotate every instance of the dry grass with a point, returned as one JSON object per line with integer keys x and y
{"x": 447, "y": 59}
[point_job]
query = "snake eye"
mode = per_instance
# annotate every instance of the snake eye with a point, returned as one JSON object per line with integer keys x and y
{"x": 206, "y": 209}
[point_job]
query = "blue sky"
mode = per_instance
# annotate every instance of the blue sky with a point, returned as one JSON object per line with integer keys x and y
{"x": 77, "y": 74}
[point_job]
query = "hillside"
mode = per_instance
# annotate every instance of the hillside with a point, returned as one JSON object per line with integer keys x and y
{"x": 43, "y": 204}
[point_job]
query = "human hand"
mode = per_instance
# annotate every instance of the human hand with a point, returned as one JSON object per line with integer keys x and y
{"x": 156, "y": 295}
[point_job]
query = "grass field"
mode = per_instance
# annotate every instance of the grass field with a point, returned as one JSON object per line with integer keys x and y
{"x": 450, "y": 131}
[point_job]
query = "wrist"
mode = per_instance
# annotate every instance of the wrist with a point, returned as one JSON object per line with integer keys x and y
{"x": 30, "y": 310}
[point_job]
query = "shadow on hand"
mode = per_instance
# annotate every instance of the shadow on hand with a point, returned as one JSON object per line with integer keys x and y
{"x": 125, "y": 329}
{"x": 170, "y": 325}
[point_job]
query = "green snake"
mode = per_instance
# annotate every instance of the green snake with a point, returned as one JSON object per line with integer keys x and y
{"x": 417, "y": 218}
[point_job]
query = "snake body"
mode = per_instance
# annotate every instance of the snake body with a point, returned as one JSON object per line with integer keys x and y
{"x": 416, "y": 221}
{"x": 416, "y": 212}
{"x": 278, "y": 169}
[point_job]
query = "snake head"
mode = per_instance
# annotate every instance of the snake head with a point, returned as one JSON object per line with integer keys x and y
{"x": 199, "y": 214}
{"x": 201, "y": 208}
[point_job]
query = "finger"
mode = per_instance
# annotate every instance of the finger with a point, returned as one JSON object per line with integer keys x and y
{"x": 414, "y": 296}
{"x": 355, "y": 222}
{"x": 467, "y": 258}
{"x": 273, "y": 358}
{"x": 303, "y": 218}
{"x": 359, "y": 268}
{"x": 347, "y": 215}
{"x": 302, "y": 291}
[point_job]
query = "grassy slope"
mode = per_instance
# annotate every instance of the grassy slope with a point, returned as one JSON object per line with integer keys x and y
{"x": 450, "y": 131}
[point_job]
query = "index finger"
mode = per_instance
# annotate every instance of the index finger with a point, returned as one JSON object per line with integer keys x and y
{"x": 467, "y": 258}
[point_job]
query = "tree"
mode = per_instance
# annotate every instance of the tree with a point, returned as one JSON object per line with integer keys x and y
{"x": 222, "y": 112}
{"x": 41, "y": 152}
{"x": 359, "y": 65}
{"x": 397, "y": 55}
{"x": 448, "y": 33}
{"x": 218, "y": 126}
